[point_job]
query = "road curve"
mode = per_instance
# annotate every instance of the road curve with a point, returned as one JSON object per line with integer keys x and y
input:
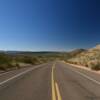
{"x": 51, "y": 81}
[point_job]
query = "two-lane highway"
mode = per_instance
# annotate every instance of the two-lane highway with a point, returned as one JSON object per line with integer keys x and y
{"x": 51, "y": 81}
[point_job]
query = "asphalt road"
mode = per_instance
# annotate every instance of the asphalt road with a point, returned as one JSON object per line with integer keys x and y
{"x": 51, "y": 81}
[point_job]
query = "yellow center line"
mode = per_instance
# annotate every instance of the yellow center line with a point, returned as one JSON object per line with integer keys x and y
{"x": 55, "y": 89}
{"x": 53, "y": 86}
{"x": 58, "y": 92}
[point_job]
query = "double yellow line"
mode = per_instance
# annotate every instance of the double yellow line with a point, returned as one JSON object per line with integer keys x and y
{"x": 55, "y": 88}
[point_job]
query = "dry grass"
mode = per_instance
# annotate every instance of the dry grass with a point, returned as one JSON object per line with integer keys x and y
{"x": 90, "y": 59}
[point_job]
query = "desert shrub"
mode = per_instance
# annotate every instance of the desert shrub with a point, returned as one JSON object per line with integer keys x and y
{"x": 95, "y": 64}
{"x": 3, "y": 67}
{"x": 28, "y": 59}
{"x": 17, "y": 65}
{"x": 7, "y": 66}
{"x": 5, "y": 59}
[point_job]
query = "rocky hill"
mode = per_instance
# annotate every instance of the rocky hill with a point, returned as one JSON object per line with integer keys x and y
{"x": 89, "y": 58}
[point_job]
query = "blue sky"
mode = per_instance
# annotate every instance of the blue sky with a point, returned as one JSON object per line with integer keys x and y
{"x": 45, "y": 25}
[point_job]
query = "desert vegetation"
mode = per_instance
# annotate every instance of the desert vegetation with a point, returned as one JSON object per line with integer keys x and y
{"x": 16, "y": 60}
{"x": 9, "y": 62}
{"x": 89, "y": 58}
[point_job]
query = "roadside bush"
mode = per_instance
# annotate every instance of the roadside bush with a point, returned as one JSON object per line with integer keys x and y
{"x": 5, "y": 59}
{"x": 94, "y": 65}
{"x": 3, "y": 67}
{"x": 6, "y": 66}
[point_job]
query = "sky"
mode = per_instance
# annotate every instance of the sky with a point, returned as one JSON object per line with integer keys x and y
{"x": 49, "y": 25}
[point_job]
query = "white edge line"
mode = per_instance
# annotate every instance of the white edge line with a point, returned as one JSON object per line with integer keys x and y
{"x": 5, "y": 73}
{"x": 87, "y": 77}
{"x": 1, "y": 83}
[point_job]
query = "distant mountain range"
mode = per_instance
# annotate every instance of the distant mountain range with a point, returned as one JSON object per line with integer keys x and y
{"x": 71, "y": 53}
{"x": 39, "y": 53}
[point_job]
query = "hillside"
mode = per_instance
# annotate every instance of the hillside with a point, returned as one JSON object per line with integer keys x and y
{"x": 13, "y": 59}
{"x": 89, "y": 58}
{"x": 76, "y": 52}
